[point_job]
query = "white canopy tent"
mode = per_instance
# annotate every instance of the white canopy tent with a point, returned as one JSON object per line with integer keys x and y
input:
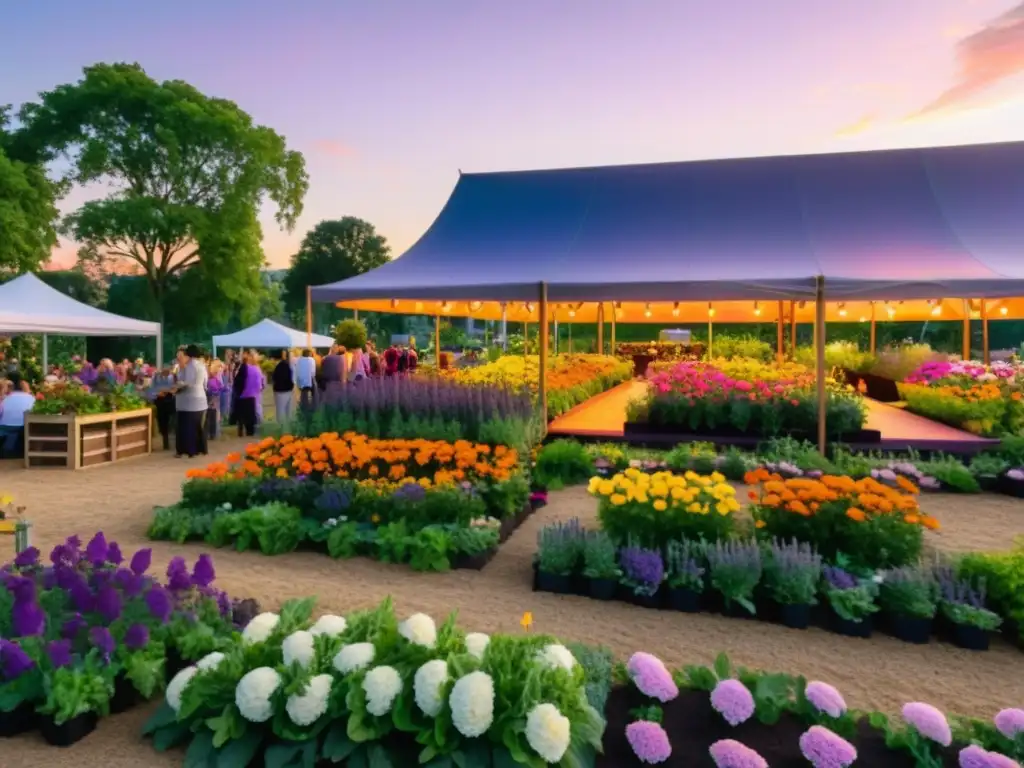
{"x": 267, "y": 333}
{"x": 28, "y": 305}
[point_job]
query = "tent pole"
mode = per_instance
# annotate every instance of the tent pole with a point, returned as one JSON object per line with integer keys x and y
{"x": 873, "y": 343}
{"x": 792, "y": 330}
{"x": 600, "y": 327}
{"x": 309, "y": 317}
{"x": 780, "y": 340}
{"x": 966, "y": 345}
{"x": 555, "y": 318}
{"x": 611, "y": 351}
{"x": 526, "y": 338}
{"x": 986, "y": 353}
{"x": 819, "y": 354}
{"x": 160, "y": 347}
{"x": 355, "y": 314}
{"x": 504, "y": 327}
{"x": 542, "y": 391}
{"x": 570, "y": 338}
{"x": 46, "y": 354}
{"x": 437, "y": 341}
{"x": 711, "y": 338}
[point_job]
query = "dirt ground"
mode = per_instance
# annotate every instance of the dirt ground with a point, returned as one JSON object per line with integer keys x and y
{"x": 881, "y": 673}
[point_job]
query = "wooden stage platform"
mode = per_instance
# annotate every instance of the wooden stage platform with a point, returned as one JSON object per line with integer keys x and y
{"x": 602, "y": 418}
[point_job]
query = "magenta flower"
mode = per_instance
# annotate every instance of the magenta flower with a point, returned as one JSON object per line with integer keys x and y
{"x": 826, "y": 699}
{"x": 824, "y": 749}
{"x": 733, "y": 701}
{"x": 976, "y": 757}
{"x": 1010, "y": 722}
{"x": 649, "y": 742}
{"x": 728, "y": 753}
{"x": 650, "y": 676}
{"x": 929, "y": 722}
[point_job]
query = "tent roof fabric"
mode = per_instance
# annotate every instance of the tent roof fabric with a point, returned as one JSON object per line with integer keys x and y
{"x": 267, "y": 333}
{"x": 889, "y": 224}
{"x": 28, "y": 305}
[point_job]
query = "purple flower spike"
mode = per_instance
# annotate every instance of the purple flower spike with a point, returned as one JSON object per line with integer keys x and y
{"x": 73, "y": 542}
{"x": 650, "y": 676}
{"x": 59, "y": 652}
{"x": 14, "y": 662}
{"x": 929, "y": 722}
{"x": 649, "y": 742}
{"x": 203, "y": 573}
{"x": 27, "y": 558}
{"x": 114, "y": 556}
{"x": 137, "y": 637}
{"x": 27, "y": 618}
{"x": 733, "y": 701}
{"x": 158, "y": 601}
{"x": 178, "y": 579}
{"x": 728, "y": 753}
{"x": 824, "y": 749}
{"x": 96, "y": 549}
{"x": 826, "y": 699}
{"x": 1010, "y": 722}
{"x": 101, "y": 639}
{"x": 81, "y": 596}
{"x": 73, "y": 626}
{"x": 141, "y": 561}
{"x": 128, "y": 582}
{"x": 108, "y": 603}
{"x": 976, "y": 757}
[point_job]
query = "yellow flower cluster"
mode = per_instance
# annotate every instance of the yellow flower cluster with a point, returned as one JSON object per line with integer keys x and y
{"x": 699, "y": 494}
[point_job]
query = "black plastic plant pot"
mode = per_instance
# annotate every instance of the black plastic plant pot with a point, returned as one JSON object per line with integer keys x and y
{"x": 603, "y": 589}
{"x": 472, "y": 562}
{"x": 734, "y": 610}
{"x": 849, "y": 628}
{"x": 794, "y": 616}
{"x": 554, "y": 582}
{"x": 970, "y": 637}
{"x": 988, "y": 483}
{"x": 910, "y": 629}
{"x": 19, "y": 720}
{"x": 685, "y": 600}
{"x": 69, "y": 732}
{"x": 579, "y": 585}
{"x": 1011, "y": 487}
{"x": 646, "y": 601}
{"x": 125, "y": 695}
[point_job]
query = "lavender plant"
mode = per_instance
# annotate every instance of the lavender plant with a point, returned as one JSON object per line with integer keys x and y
{"x": 683, "y": 563}
{"x": 792, "y": 572}
{"x": 735, "y": 568}
{"x": 911, "y": 591}
{"x": 642, "y": 570}
{"x": 963, "y": 603}
{"x": 559, "y": 547}
{"x": 852, "y": 599}
{"x": 599, "y": 556}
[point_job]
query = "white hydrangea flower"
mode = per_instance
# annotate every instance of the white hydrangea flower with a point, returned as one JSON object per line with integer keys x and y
{"x": 382, "y": 686}
{"x": 556, "y": 655}
{"x": 253, "y": 692}
{"x": 259, "y": 629}
{"x": 420, "y": 629}
{"x": 547, "y": 732}
{"x": 354, "y": 656}
{"x": 329, "y": 625}
{"x": 472, "y": 704}
{"x": 298, "y": 646}
{"x": 427, "y": 685}
{"x": 307, "y": 707}
{"x": 476, "y": 643}
{"x": 177, "y": 686}
{"x": 210, "y": 661}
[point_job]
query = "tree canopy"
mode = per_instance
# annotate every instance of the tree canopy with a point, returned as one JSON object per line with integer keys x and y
{"x": 28, "y": 211}
{"x": 188, "y": 174}
{"x": 335, "y": 249}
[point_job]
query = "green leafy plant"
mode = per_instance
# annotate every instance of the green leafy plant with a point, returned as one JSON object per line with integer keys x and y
{"x": 735, "y": 570}
{"x": 77, "y": 690}
{"x": 562, "y": 462}
{"x": 910, "y": 591}
{"x": 560, "y": 547}
{"x": 684, "y": 565}
{"x": 600, "y": 556}
{"x": 792, "y": 572}
{"x": 429, "y": 548}
{"x": 350, "y": 334}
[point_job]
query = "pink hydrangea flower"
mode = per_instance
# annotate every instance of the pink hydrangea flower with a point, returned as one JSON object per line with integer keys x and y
{"x": 649, "y": 674}
{"x": 728, "y": 753}
{"x": 826, "y": 699}
{"x": 1010, "y": 722}
{"x": 929, "y": 722}
{"x": 649, "y": 742}
{"x": 733, "y": 701}
{"x": 824, "y": 749}
{"x": 976, "y": 757}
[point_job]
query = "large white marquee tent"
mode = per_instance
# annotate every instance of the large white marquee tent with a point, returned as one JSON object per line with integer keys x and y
{"x": 268, "y": 334}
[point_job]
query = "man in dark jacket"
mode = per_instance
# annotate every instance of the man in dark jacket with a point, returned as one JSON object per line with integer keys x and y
{"x": 283, "y": 380}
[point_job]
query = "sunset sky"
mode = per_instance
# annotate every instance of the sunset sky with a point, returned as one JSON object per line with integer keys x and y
{"x": 388, "y": 99}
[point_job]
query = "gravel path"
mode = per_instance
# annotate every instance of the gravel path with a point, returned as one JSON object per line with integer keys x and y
{"x": 881, "y": 673}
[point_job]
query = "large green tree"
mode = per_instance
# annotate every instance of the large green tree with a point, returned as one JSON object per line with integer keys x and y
{"x": 188, "y": 174}
{"x": 28, "y": 211}
{"x": 335, "y": 249}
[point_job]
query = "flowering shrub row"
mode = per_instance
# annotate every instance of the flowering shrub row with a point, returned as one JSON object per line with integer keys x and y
{"x": 89, "y": 631}
{"x": 983, "y": 399}
{"x": 370, "y": 689}
{"x": 744, "y": 397}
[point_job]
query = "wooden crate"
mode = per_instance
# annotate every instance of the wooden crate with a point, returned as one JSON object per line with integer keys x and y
{"x": 78, "y": 442}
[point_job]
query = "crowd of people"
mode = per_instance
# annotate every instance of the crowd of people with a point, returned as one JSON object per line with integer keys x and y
{"x": 198, "y": 394}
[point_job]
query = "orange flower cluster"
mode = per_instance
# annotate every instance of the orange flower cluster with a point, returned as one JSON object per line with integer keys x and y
{"x": 361, "y": 458}
{"x": 976, "y": 393}
{"x": 865, "y": 497}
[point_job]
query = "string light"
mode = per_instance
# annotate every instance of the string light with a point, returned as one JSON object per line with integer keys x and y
{"x": 529, "y": 307}
{"x": 842, "y": 309}
{"x": 711, "y": 310}
{"x": 937, "y": 309}
{"x": 863, "y": 319}
{"x": 446, "y": 307}
{"x": 394, "y": 303}
{"x": 890, "y": 311}
{"x": 675, "y": 309}
{"x": 419, "y": 306}
{"x": 1003, "y": 310}
{"x": 647, "y": 310}
{"x": 757, "y": 310}
{"x": 475, "y": 305}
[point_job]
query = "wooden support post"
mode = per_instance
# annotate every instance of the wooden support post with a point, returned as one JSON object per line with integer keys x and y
{"x": 873, "y": 341}
{"x": 819, "y": 353}
{"x": 965, "y": 347}
{"x": 542, "y": 384}
{"x": 600, "y": 328}
{"x": 986, "y": 353}
{"x": 611, "y": 351}
{"x": 711, "y": 337}
{"x": 792, "y": 330}
{"x": 780, "y": 341}
{"x": 437, "y": 341}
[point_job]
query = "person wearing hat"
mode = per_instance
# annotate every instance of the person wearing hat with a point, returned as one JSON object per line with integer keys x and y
{"x": 190, "y": 402}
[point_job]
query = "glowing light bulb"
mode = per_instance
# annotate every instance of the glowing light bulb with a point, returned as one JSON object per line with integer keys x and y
{"x": 475, "y": 305}
{"x": 711, "y": 312}
{"x": 572, "y": 313}
{"x": 936, "y": 310}
{"x": 842, "y": 310}
{"x": 1003, "y": 310}
{"x": 446, "y": 307}
{"x": 647, "y": 310}
{"x": 757, "y": 310}
{"x": 419, "y": 306}
{"x": 863, "y": 319}
{"x": 675, "y": 309}
{"x": 394, "y": 303}
{"x": 891, "y": 312}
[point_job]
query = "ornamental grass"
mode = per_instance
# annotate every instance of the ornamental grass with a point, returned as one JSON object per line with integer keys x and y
{"x": 872, "y": 524}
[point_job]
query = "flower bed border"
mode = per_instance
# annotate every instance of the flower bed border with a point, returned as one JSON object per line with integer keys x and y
{"x": 675, "y": 434}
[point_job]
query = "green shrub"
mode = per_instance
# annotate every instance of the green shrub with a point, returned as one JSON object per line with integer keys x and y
{"x": 561, "y": 463}
{"x": 1002, "y": 573}
{"x": 351, "y": 334}
{"x": 751, "y": 347}
{"x": 838, "y": 354}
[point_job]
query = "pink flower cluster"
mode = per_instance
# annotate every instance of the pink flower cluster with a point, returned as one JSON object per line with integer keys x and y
{"x": 733, "y": 701}
{"x": 929, "y": 722}
{"x": 729, "y": 753}
{"x": 936, "y": 371}
{"x": 976, "y": 757}
{"x": 825, "y": 698}
{"x": 649, "y": 742}
{"x": 824, "y": 749}
{"x": 651, "y": 677}
{"x": 700, "y": 380}
{"x": 1010, "y": 722}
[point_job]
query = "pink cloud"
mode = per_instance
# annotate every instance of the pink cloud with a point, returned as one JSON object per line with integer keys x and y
{"x": 333, "y": 148}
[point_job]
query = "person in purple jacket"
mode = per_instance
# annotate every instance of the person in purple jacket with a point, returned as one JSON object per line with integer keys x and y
{"x": 250, "y": 390}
